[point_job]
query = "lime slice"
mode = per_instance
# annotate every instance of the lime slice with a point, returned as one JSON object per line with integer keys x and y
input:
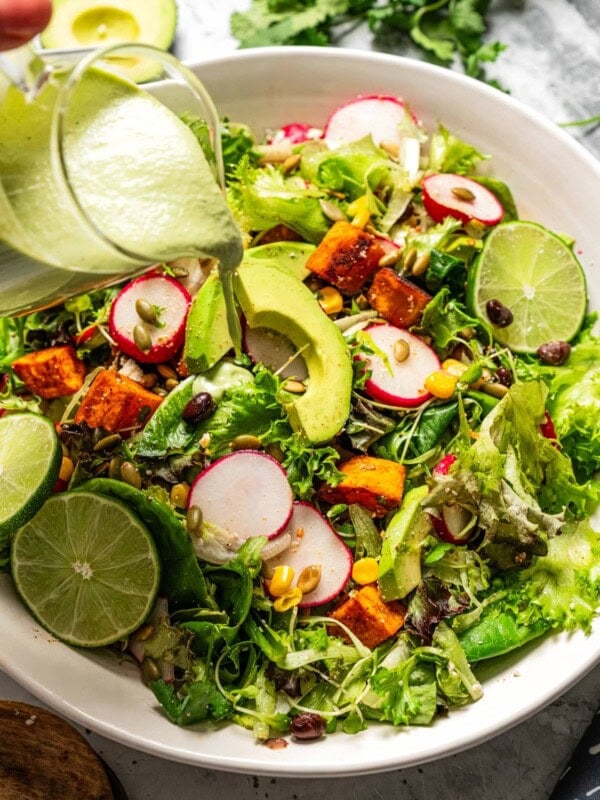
{"x": 532, "y": 272}
{"x": 87, "y": 568}
{"x": 30, "y": 457}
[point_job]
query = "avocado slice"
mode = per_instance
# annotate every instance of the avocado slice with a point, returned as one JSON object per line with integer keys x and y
{"x": 272, "y": 298}
{"x": 400, "y": 561}
{"x": 90, "y": 23}
{"x": 207, "y": 336}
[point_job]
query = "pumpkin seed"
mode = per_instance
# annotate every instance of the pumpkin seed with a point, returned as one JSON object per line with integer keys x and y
{"x": 171, "y": 383}
{"x": 401, "y": 350}
{"x": 131, "y": 474}
{"x": 410, "y": 256}
{"x": 291, "y": 162}
{"x": 167, "y": 372}
{"x": 146, "y": 311}
{"x": 309, "y": 578}
{"x": 193, "y": 520}
{"x": 462, "y": 193}
{"x": 180, "y": 272}
{"x": 107, "y": 443}
{"x": 421, "y": 263}
{"x": 179, "y": 495}
{"x": 149, "y": 380}
{"x": 150, "y": 671}
{"x": 142, "y": 338}
{"x": 495, "y": 389}
{"x": 389, "y": 259}
{"x": 331, "y": 211}
{"x": 114, "y": 467}
{"x": 295, "y": 387}
{"x": 246, "y": 441}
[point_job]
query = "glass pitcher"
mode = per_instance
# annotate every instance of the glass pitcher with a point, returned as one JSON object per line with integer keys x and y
{"x": 100, "y": 178}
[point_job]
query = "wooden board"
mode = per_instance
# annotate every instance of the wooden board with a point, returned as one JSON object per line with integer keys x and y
{"x": 42, "y": 757}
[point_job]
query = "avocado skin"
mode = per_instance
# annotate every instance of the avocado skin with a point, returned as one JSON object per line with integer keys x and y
{"x": 400, "y": 562}
{"x": 273, "y": 298}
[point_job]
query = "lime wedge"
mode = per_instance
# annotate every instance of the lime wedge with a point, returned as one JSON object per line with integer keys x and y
{"x": 86, "y": 567}
{"x": 30, "y": 457}
{"x": 534, "y": 274}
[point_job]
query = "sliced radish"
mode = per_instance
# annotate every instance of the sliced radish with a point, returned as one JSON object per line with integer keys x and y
{"x": 274, "y": 350}
{"x": 314, "y": 542}
{"x": 171, "y": 302}
{"x": 297, "y": 133}
{"x": 377, "y": 115}
{"x": 455, "y": 524}
{"x": 547, "y": 428}
{"x": 245, "y": 493}
{"x": 448, "y": 195}
{"x": 444, "y": 464}
{"x": 398, "y": 383}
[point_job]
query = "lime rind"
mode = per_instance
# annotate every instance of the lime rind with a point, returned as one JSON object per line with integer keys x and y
{"x": 87, "y": 569}
{"x": 531, "y": 271}
{"x": 30, "y": 457}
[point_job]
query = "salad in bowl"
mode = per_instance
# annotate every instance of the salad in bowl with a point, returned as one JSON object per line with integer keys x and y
{"x": 342, "y": 523}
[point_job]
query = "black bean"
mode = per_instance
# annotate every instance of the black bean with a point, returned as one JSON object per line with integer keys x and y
{"x": 307, "y": 726}
{"x": 554, "y": 353}
{"x": 504, "y": 376}
{"x": 498, "y": 313}
{"x": 198, "y": 408}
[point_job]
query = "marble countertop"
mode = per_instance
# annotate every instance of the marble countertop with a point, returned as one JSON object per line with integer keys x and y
{"x": 553, "y": 64}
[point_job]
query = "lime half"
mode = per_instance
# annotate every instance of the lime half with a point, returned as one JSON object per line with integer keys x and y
{"x": 30, "y": 457}
{"x": 87, "y": 568}
{"x": 534, "y": 274}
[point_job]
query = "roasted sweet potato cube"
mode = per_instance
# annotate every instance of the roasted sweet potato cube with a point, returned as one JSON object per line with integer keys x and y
{"x": 52, "y": 372}
{"x": 116, "y": 403}
{"x": 347, "y": 257}
{"x": 369, "y": 617}
{"x": 397, "y": 299}
{"x": 375, "y": 483}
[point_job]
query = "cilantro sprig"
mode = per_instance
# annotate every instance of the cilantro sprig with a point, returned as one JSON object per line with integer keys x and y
{"x": 445, "y": 31}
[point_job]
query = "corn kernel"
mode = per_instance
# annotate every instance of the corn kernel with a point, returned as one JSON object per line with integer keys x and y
{"x": 66, "y": 469}
{"x": 281, "y": 580}
{"x": 359, "y": 211}
{"x": 365, "y": 570}
{"x": 330, "y": 300}
{"x": 288, "y": 600}
{"x": 441, "y": 384}
{"x": 454, "y": 367}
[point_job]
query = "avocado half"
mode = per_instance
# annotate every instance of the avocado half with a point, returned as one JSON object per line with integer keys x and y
{"x": 89, "y": 23}
{"x": 271, "y": 297}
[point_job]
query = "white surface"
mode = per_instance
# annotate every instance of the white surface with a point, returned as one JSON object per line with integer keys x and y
{"x": 533, "y": 157}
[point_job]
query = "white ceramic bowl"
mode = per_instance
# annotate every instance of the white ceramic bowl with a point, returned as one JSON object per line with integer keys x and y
{"x": 555, "y": 182}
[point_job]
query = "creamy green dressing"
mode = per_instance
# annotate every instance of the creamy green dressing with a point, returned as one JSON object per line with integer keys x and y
{"x": 137, "y": 171}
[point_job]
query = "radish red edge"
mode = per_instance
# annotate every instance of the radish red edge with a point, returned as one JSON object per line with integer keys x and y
{"x": 344, "y": 120}
{"x": 297, "y": 133}
{"x": 245, "y": 493}
{"x": 441, "y": 198}
{"x": 455, "y": 524}
{"x": 315, "y": 542}
{"x": 399, "y": 384}
{"x": 166, "y": 338}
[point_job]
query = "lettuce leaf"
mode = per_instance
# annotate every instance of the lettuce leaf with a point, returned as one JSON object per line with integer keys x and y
{"x": 448, "y": 153}
{"x": 263, "y": 198}
{"x": 517, "y": 483}
{"x": 574, "y": 405}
